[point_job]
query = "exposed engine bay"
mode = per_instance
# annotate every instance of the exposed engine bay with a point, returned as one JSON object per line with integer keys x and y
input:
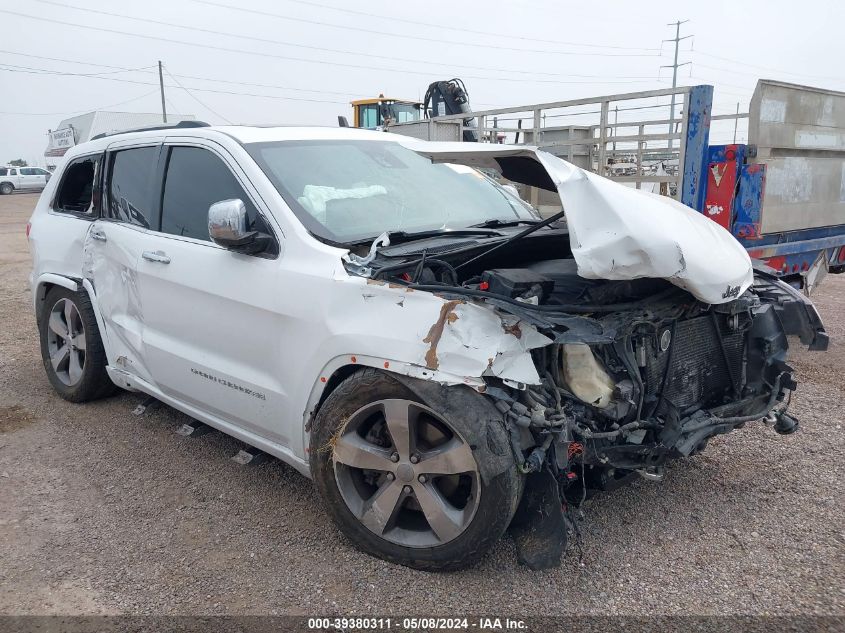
{"x": 657, "y": 332}
{"x": 640, "y": 371}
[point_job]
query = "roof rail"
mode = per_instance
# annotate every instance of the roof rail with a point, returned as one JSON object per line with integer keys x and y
{"x": 181, "y": 124}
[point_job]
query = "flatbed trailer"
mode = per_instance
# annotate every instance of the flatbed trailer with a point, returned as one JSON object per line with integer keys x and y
{"x": 781, "y": 194}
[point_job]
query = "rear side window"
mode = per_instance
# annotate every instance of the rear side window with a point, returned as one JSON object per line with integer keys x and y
{"x": 130, "y": 185}
{"x": 195, "y": 180}
{"x": 78, "y": 191}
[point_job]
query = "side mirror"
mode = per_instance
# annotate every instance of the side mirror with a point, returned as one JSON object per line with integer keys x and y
{"x": 227, "y": 226}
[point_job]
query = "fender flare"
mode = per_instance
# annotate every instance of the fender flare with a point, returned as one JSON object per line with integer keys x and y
{"x": 346, "y": 363}
{"x": 441, "y": 391}
{"x": 73, "y": 284}
{"x": 54, "y": 280}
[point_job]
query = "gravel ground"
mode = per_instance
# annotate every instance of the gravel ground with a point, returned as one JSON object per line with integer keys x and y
{"x": 104, "y": 512}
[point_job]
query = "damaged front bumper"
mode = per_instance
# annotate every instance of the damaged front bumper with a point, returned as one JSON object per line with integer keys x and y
{"x": 665, "y": 384}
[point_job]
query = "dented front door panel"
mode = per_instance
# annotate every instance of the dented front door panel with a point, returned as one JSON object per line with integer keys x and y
{"x": 110, "y": 259}
{"x": 212, "y": 330}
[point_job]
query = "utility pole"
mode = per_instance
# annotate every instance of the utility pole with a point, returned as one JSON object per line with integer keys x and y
{"x": 615, "y": 127}
{"x": 674, "y": 66}
{"x": 161, "y": 86}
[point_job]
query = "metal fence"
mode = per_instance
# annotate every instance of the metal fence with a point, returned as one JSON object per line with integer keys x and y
{"x": 638, "y": 138}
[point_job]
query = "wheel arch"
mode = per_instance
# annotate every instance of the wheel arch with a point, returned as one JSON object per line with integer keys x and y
{"x": 46, "y": 281}
{"x": 341, "y": 367}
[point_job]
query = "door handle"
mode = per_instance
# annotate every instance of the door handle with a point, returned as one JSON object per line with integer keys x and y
{"x": 97, "y": 234}
{"x": 156, "y": 256}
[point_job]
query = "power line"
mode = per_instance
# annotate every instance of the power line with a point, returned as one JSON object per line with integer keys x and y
{"x": 195, "y": 98}
{"x": 180, "y": 76}
{"x": 47, "y": 71}
{"x": 403, "y": 71}
{"x": 437, "y": 40}
{"x": 105, "y": 107}
{"x": 466, "y": 30}
{"x": 347, "y": 94}
{"x": 68, "y": 61}
{"x": 767, "y": 68}
{"x": 253, "y": 38}
{"x": 145, "y": 83}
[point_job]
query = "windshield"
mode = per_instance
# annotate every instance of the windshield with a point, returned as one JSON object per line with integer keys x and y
{"x": 348, "y": 191}
{"x": 404, "y": 112}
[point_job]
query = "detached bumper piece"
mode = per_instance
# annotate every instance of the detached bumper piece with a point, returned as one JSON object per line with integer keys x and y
{"x": 796, "y": 312}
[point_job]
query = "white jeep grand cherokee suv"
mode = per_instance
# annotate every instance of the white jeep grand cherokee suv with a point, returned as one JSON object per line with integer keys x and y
{"x": 390, "y": 321}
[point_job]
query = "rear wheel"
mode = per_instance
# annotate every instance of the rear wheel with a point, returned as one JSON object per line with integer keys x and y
{"x": 6, "y": 188}
{"x": 71, "y": 348}
{"x": 402, "y": 480}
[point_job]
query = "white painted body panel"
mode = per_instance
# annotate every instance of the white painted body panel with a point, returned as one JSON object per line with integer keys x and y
{"x": 213, "y": 328}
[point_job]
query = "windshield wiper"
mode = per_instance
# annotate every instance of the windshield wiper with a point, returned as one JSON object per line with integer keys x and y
{"x": 397, "y": 237}
{"x": 497, "y": 223}
{"x": 518, "y": 236}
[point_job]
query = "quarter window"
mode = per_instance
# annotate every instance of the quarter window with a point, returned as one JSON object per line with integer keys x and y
{"x": 78, "y": 191}
{"x": 195, "y": 180}
{"x": 130, "y": 185}
{"x": 4, "y": 171}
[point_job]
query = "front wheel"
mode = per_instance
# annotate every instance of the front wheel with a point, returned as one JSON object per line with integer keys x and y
{"x": 403, "y": 481}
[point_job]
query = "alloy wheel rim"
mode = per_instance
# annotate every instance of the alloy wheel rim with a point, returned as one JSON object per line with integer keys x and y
{"x": 406, "y": 474}
{"x": 66, "y": 342}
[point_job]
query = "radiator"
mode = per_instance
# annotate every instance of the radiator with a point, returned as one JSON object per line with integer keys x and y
{"x": 698, "y": 375}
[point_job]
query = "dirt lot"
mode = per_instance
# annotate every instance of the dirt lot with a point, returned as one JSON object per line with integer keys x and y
{"x": 105, "y": 512}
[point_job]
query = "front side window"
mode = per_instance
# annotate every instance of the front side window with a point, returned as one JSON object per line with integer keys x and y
{"x": 196, "y": 179}
{"x": 368, "y": 116}
{"x": 78, "y": 191}
{"x": 347, "y": 191}
{"x": 404, "y": 112}
{"x": 130, "y": 185}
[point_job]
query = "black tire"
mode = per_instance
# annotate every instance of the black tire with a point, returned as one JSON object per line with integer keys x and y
{"x": 498, "y": 496}
{"x": 94, "y": 382}
{"x": 6, "y": 188}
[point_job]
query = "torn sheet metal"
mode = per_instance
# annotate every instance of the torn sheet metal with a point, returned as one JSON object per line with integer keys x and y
{"x": 450, "y": 340}
{"x": 617, "y": 232}
{"x": 471, "y": 340}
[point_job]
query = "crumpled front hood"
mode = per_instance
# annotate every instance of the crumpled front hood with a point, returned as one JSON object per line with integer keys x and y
{"x": 617, "y": 232}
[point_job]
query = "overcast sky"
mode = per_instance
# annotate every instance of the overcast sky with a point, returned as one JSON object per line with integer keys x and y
{"x": 305, "y": 59}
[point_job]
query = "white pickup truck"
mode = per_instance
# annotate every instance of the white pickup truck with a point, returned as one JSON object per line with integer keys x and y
{"x": 22, "y": 179}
